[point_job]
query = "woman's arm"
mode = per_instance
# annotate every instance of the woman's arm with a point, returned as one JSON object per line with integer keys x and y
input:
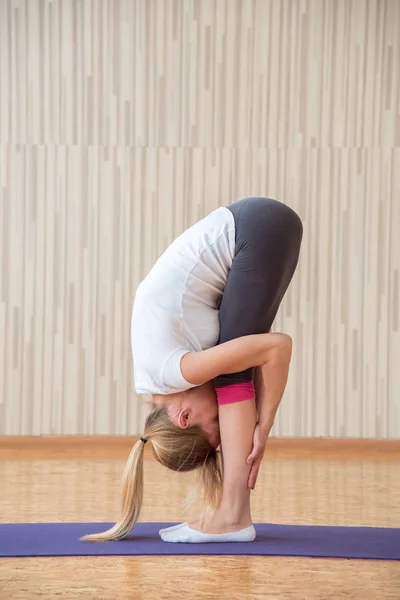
{"x": 270, "y": 383}
{"x": 232, "y": 357}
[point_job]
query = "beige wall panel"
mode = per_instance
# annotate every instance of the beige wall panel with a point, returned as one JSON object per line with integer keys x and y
{"x": 123, "y": 122}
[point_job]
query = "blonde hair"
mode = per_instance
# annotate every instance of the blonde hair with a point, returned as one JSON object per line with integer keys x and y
{"x": 175, "y": 448}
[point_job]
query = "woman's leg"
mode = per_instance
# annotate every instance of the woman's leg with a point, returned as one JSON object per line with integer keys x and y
{"x": 268, "y": 239}
{"x": 237, "y": 422}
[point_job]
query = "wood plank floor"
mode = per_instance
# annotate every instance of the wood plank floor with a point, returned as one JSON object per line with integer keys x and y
{"x": 301, "y": 482}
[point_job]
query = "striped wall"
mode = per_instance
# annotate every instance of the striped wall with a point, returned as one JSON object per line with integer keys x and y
{"x": 124, "y": 121}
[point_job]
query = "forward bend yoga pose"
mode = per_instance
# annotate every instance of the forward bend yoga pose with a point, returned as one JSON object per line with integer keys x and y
{"x": 202, "y": 348}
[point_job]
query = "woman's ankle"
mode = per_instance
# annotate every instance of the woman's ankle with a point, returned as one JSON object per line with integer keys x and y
{"x": 221, "y": 522}
{"x": 235, "y": 517}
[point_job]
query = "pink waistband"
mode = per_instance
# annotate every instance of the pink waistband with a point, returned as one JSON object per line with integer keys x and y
{"x": 236, "y": 392}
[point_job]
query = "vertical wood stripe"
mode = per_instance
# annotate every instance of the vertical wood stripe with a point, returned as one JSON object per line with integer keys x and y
{"x": 122, "y": 122}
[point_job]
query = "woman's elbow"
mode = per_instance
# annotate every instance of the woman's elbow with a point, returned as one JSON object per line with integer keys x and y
{"x": 287, "y": 341}
{"x": 283, "y": 349}
{"x": 286, "y": 346}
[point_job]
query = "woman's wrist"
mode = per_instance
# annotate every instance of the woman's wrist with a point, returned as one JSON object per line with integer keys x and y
{"x": 265, "y": 425}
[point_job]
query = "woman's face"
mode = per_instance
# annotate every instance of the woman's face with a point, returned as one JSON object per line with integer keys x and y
{"x": 205, "y": 414}
{"x": 197, "y": 406}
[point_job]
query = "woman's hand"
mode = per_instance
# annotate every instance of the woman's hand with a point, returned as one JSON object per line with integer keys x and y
{"x": 260, "y": 437}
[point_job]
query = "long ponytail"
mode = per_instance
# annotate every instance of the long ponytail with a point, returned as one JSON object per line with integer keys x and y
{"x": 132, "y": 498}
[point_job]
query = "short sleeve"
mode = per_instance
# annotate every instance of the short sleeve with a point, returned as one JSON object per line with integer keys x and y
{"x": 171, "y": 374}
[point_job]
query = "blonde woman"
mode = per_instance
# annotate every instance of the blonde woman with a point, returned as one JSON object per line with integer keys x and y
{"x": 201, "y": 348}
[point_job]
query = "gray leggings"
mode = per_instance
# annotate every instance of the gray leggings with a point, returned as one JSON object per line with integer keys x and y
{"x": 267, "y": 247}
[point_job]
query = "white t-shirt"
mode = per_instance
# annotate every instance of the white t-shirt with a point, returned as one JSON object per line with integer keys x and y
{"x": 176, "y": 308}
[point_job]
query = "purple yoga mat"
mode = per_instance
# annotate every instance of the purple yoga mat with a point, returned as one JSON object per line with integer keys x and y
{"x": 62, "y": 539}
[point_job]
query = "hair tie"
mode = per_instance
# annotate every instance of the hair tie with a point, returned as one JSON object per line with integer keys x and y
{"x": 142, "y": 439}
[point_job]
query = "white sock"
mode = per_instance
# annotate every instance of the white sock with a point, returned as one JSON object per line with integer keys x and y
{"x": 172, "y": 528}
{"x": 184, "y": 534}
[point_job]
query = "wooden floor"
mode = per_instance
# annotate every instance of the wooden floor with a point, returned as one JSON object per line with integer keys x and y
{"x": 302, "y": 482}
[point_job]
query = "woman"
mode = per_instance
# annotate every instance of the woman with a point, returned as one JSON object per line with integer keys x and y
{"x": 201, "y": 349}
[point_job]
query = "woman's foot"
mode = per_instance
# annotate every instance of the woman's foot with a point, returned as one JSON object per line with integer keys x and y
{"x": 218, "y": 528}
{"x": 186, "y": 535}
{"x": 220, "y": 522}
{"x": 172, "y": 528}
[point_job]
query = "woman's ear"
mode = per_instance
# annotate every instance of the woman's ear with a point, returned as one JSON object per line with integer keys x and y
{"x": 184, "y": 418}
